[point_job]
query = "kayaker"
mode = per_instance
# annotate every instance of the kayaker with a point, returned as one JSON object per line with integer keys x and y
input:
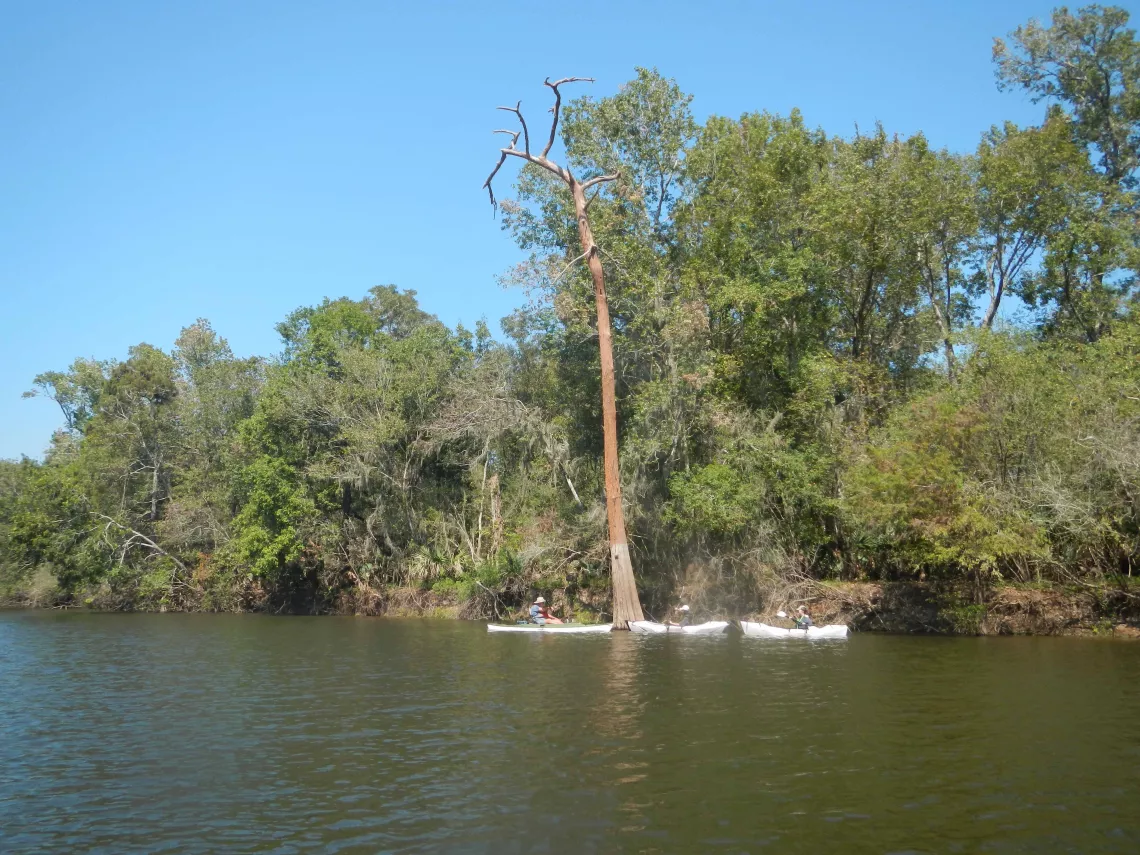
{"x": 683, "y": 620}
{"x": 540, "y": 614}
{"x": 802, "y": 618}
{"x": 536, "y": 611}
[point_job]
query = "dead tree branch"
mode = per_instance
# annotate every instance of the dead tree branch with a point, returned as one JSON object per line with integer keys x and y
{"x": 517, "y": 110}
{"x": 557, "y": 108}
{"x": 539, "y": 159}
{"x": 566, "y": 269}
{"x": 140, "y": 537}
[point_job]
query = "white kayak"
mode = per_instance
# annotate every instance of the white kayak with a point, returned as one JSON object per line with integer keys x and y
{"x": 553, "y": 628}
{"x": 763, "y": 630}
{"x": 648, "y": 627}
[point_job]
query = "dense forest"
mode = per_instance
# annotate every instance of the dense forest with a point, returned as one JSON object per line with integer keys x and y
{"x": 838, "y": 358}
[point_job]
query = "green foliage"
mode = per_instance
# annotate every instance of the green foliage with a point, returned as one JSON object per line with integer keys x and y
{"x": 49, "y": 524}
{"x": 918, "y": 503}
{"x": 713, "y": 499}
{"x": 1089, "y": 63}
{"x": 270, "y": 523}
{"x": 640, "y": 134}
{"x": 16, "y": 484}
{"x": 1026, "y": 465}
{"x": 76, "y": 391}
{"x": 963, "y": 618}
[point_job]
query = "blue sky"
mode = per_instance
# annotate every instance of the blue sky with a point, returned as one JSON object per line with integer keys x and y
{"x": 166, "y": 161}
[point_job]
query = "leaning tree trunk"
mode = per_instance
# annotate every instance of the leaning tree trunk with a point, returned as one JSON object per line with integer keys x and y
{"x": 627, "y": 606}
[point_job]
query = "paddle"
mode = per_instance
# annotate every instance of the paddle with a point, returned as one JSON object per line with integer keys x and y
{"x": 783, "y": 614}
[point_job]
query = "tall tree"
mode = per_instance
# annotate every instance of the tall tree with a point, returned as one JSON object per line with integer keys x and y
{"x": 1090, "y": 63}
{"x": 76, "y": 390}
{"x": 1023, "y": 199}
{"x": 746, "y": 235}
{"x": 627, "y": 605}
{"x": 1086, "y": 278}
{"x": 943, "y": 222}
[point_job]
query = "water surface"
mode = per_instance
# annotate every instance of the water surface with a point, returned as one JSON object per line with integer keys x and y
{"x": 200, "y": 733}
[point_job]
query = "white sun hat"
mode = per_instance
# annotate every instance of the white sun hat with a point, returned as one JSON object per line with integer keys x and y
{"x": 541, "y": 600}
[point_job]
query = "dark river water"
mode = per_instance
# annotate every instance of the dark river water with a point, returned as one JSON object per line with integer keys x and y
{"x": 198, "y": 733}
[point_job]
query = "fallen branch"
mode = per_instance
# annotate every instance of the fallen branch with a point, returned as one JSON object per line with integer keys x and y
{"x": 138, "y": 536}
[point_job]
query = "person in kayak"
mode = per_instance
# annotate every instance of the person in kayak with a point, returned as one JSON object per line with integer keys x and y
{"x": 536, "y": 610}
{"x": 683, "y": 620}
{"x": 540, "y": 614}
{"x": 802, "y": 618}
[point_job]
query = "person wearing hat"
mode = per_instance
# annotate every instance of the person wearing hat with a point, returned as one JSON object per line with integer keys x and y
{"x": 540, "y": 614}
{"x": 684, "y": 617}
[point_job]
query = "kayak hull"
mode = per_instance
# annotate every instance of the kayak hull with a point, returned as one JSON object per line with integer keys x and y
{"x": 551, "y": 629}
{"x": 763, "y": 630}
{"x": 648, "y": 627}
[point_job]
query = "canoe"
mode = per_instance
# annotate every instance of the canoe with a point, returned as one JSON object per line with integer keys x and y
{"x": 554, "y": 628}
{"x": 648, "y": 627}
{"x": 763, "y": 630}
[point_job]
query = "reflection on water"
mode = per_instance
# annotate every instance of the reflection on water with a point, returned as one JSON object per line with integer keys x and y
{"x": 133, "y": 733}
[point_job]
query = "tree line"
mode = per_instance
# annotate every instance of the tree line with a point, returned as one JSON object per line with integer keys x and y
{"x": 836, "y": 358}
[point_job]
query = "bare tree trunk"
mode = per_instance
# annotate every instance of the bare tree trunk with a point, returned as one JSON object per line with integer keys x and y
{"x": 991, "y": 312}
{"x": 627, "y": 605}
{"x": 496, "y": 515}
{"x": 482, "y": 499}
{"x": 947, "y": 343}
{"x": 154, "y": 491}
{"x": 997, "y": 287}
{"x": 942, "y": 313}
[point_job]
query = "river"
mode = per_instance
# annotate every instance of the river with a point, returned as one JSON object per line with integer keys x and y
{"x": 217, "y": 733}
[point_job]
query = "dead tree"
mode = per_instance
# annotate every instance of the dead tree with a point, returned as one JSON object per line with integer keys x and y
{"x": 627, "y": 606}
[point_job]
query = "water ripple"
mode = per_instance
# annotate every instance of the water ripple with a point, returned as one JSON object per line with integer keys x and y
{"x": 178, "y": 733}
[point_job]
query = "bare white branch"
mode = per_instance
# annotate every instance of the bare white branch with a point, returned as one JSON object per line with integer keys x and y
{"x": 557, "y": 108}
{"x": 517, "y": 110}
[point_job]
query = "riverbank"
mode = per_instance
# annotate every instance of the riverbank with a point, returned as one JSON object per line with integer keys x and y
{"x": 913, "y": 607}
{"x": 892, "y": 607}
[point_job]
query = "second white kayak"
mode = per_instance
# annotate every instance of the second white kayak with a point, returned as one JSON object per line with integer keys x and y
{"x": 763, "y": 630}
{"x": 648, "y": 627}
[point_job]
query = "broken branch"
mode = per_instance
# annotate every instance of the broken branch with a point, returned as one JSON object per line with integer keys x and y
{"x": 514, "y": 135}
{"x": 558, "y": 278}
{"x": 557, "y": 108}
{"x": 518, "y": 112}
{"x": 487, "y": 183}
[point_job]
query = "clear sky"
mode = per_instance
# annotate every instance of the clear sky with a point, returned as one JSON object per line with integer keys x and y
{"x": 165, "y": 161}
